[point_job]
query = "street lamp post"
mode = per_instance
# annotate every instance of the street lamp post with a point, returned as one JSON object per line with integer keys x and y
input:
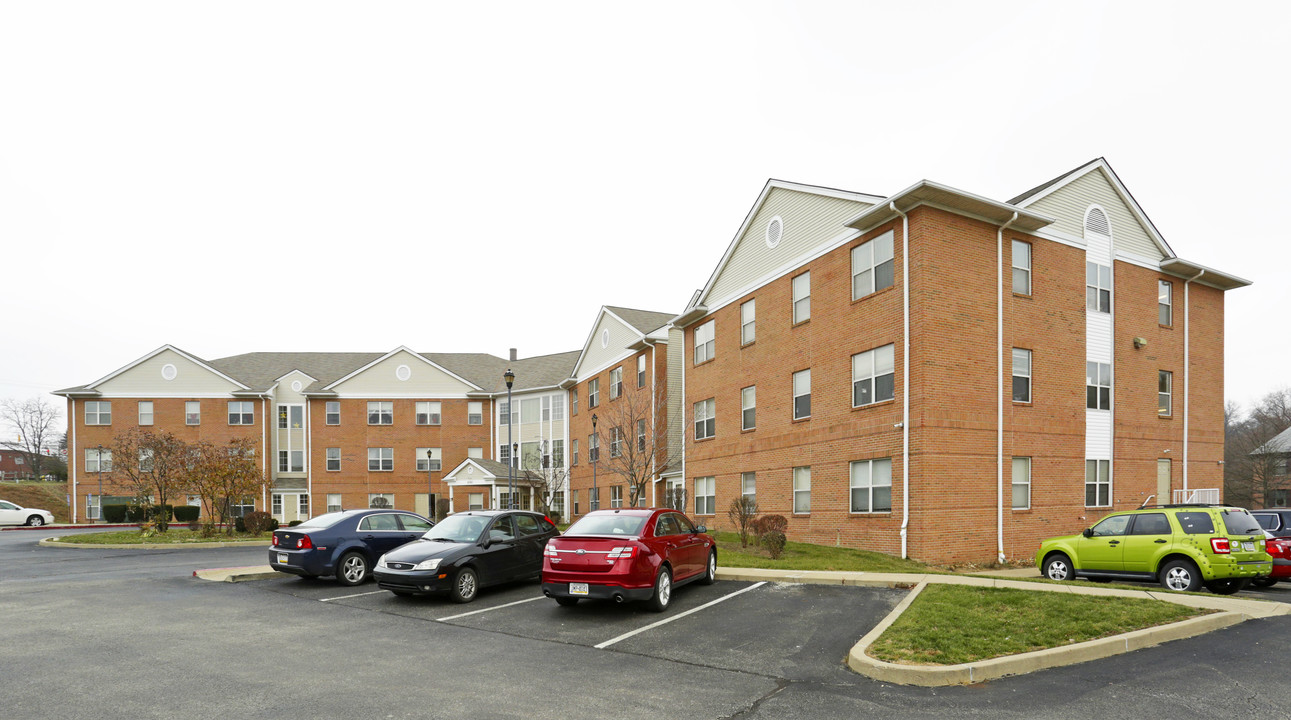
{"x": 596, "y": 495}
{"x": 100, "y": 517}
{"x": 515, "y": 458}
{"x": 430, "y": 494}
{"x": 510, "y": 377}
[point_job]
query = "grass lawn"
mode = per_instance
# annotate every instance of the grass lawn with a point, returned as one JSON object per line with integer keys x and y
{"x": 51, "y": 496}
{"x": 804, "y": 556}
{"x": 950, "y": 624}
{"x": 173, "y": 535}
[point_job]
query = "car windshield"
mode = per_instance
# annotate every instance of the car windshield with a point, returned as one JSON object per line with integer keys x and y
{"x": 1240, "y": 522}
{"x": 608, "y": 525}
{"x": 458, "y": 528}
{"x": 325, "y": 520}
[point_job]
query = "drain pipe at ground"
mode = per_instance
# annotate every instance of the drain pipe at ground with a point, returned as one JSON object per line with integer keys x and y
{"x": 905, "y": 377}
{"x": 999, "y": 381}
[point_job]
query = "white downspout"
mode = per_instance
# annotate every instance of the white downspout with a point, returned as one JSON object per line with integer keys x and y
{"x": 999, "y": 381}
{"x": 1187, "y": 343}
{"x": 76, "y": 467}
{"x": 654, "y": 427}
{"x": 905, "y": 378}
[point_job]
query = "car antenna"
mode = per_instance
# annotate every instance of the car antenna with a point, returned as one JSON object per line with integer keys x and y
{"x": 1145, "y": 501}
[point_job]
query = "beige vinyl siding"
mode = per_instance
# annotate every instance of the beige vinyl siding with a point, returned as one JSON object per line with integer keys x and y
{"x": 380, "y": 380}
{"x": 598, "y": 358}
{"x": 145, "y": 379}
{"x": 284, "y": 393}
{"x": 1069, "y": 203}
{"x": 809, "y": 222}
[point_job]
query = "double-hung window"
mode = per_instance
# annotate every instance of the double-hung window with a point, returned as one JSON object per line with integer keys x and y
{"x": 616, "y": 442}
{"x": 380, "y": 459}
{"x": 871, "y": 486}
{"x": 573, "y": 452}
{"x": 802, "y": 298}
{"x": 593, "y": 447}
{"x": 705, "y": 341}
{"x": 429, "y": 460}
{"x": 873, "y": 376}
{"x": 1165, "y": 379}
{"x": 428, "y": 413}
{"x": 193, "y": 412}
{"x": 475, "y": 413}
{"x": 1098, "y": 287}
{"x": 616, "y": 496}
{"x": 242, "y": 413}
{"x": 380, "y": 413}
{"x": 748, "y": 322}
{"x": 641, "y": 435}
{"x": 593, "y": 393}
{"x": 801, "y": 490}
{"x": 333, "y": 502}
{"x": 333, "y": 412}
{"x": 1021, "y": 375}
{"x": 749, "y": 408}
{"x": 333, "y": 461}
{"x": 98, "y": 460}
{"x": 1165, "y": 302}
{"x": 1021, "y": 483}
{"x": 749, "y": 486}
{"x": 99, "y": 413}
{"x": 1021, "y": 267}
{"x": 802, "y": 394}
{"x": 1098, "y": 483}
{"x": 145, "y": 412}
{"x": 641, "y": 371}
{"x": 705, "y": 418}
{"x": 873, "y": 266}
{"x": 616, "y": 383}
{"x": 1098, "y": 386}
{"x": 573, "y": 401}
{"x": 705, "y": 495}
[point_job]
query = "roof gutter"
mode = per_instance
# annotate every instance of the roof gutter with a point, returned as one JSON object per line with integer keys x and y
{"x": 1187, "y": 371}
{"x": 905, "y": 378}
{"x": 999, "y": 381}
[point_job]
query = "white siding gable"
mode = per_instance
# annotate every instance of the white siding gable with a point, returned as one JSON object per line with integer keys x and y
{"x": 1068, "y": 204}
{"x": 284, "y": 393}
{"x": 597, "y": 357}
{"x": 809, "y": 222}
{"x": 145, "y": 379}
{"x": 381, "y": 379}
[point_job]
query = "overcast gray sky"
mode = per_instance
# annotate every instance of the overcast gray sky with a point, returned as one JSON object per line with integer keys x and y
{"x": 255, "y": 176}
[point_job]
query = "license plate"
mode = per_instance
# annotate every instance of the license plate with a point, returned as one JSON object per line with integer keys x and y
{"x": 1248, "y": 546}
{"x": 578, "y": 588}
{"x": 282, "y": 558}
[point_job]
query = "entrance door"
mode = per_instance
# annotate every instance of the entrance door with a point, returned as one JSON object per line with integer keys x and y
{"x": 1163, "y": 481}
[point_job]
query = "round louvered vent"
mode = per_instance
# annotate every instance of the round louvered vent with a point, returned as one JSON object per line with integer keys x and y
{"x": 296, "y": 386}
{"x": 169, "y": 372}
{"x": 403, "y": 372}
{"x": 775, "y": 229}
{"x": 605, "y": 338}
{"x": 1096, "y": 222}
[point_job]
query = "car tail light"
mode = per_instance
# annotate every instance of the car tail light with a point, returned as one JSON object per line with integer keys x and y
{"x": 1220, "y": 545}
{"x": 304, "y": 543}
{"x": 628, "y": 551}
{"x": 275, "y": 541}
{"x": 550, "y": 551}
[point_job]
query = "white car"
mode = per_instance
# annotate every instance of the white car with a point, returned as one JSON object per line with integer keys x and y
{"x": 11, "y": 514}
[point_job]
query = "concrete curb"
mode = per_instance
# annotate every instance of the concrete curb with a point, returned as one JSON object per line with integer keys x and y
{"x": 1231, "y": 611}
{"x": 67, "y": 526}
{"x": 53, "y": 542}
{"x": 237, "y": 574}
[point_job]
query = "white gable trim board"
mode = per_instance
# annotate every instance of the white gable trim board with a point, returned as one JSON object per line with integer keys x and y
{"x": 411, "y": 352}
{"x": 157, "y": 352}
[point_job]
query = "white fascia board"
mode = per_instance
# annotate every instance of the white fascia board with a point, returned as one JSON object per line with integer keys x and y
{"x": 1059, "y": 236}
{"x": 660, "y": 335}
{"x": 414, "y": 353}
{"x": 149, "y": 396}
{"x": 833, "y": 244}
{"x": 401, "y": 396}
{"x": 278, "y": 380}
{"x": 1138, "y": 260}
{"x": 157, "y": 352}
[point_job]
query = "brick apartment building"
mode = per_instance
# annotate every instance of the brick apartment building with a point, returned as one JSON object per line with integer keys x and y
{"x": 933, "y": 374}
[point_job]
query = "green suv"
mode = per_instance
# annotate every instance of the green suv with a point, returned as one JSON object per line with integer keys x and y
{"x": 1181, "y": 546}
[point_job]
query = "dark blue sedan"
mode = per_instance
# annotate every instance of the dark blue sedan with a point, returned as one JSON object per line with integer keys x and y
{"x": 344, "y": 544}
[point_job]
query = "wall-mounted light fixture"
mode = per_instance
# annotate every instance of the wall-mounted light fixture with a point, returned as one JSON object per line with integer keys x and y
{"x": 1139, "y": 343}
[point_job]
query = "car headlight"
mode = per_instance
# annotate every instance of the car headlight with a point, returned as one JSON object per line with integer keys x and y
{"x": 430, "y": 564}
{"x": 381, "y": 562}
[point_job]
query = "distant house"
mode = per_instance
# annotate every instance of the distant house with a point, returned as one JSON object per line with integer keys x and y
{"x": 14, "y": 466}
{"x": 1271, "y": 470}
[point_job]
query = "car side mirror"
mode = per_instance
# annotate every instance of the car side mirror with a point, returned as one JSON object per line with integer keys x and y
{"x": 1089, "y": 532}
{"x": 701, "y": 529}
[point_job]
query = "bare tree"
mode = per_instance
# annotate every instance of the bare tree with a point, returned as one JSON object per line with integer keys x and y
{"x": 155, "y": 465}
{"x": 550, "y": 478}
{"x": 221, "y": 474}
{"x": 34, "y": 423}
{"x": 633, "y": 439}
{"x": 1256, "y": 457}
{"x": 741, "y": 514}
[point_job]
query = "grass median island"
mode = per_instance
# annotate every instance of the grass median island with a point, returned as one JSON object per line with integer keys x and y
{"x": 173, "y": 535}
{"x": 952, "y": 624}
{"x": 805, "y": 556}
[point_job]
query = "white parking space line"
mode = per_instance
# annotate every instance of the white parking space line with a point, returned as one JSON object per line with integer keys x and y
{"x": 678, "y": 616}
{"x": 344, "y": 597}
{"x": 498, "y": 607}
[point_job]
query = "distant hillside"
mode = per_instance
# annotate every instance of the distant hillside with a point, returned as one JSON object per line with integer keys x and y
{"x": 51, "y": 496}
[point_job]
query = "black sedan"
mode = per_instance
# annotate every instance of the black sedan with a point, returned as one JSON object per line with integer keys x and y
{"x": 345, "y": 544}
{"x": 468, "y": 551}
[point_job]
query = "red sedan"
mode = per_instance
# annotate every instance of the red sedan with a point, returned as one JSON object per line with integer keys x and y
{"x": 628, "y": 554}
{"x": 1280, "y": 549}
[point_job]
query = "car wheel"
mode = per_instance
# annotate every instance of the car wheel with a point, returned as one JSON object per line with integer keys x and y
{"x": 710, "y": 572}
{"x": 35, "y": 521}
{"x": 1058, "y": 567}
{"x": 465, "y": 586}
{"x": 662, "y": 597}
{"x": 1264, "y": 582}
{"x": 1227, "y": 586}
{"x": 1180, "y": 575}
{"x": 353, "y": 569}
{"x": 567, "y": 601}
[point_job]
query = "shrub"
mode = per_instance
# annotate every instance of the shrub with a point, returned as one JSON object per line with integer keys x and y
{"x": 161, "y": 514}
{"x": 258, "y": 521}
{"x": 742, "y": 513}
{"x": 114, "y": 513}
{"x": 239, "y": 525}
{"x": 187, "y": 513}
{"x": 136, "y": 513}
{"x": 293, "y": 523}
{"x": 773, "y": 541}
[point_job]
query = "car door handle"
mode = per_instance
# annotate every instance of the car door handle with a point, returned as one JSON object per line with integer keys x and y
{"x": 1159, "y": 542}
{"x": 1113, "y": 542}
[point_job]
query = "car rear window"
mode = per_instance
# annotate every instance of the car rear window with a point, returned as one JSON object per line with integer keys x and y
{"x": 1266, "y": 521}
{"x": 607, "y": 525}
{"x": 1240, "y": 522}
{"x": 527, "y": 524}
{"x": 1196, "y": 523}
{"x": 325, "y": 520}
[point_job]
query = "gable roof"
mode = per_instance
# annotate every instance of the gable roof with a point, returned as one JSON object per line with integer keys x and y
{"x": 639, "y": 322}
{"x": 208, "y": 365}
{"x": 1278, "y": 444}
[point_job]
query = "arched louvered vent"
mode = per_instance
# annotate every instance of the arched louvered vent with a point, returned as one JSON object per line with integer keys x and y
{"x": 775, "y": 229}
{"x": 1096, "y": 222}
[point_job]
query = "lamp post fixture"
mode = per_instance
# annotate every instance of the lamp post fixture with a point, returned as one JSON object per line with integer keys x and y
{"x": 596, "y": 495}
{"x": 430, "y": 495}
{"x": 510, "y": 377}
{"x": 100, "y": 517}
